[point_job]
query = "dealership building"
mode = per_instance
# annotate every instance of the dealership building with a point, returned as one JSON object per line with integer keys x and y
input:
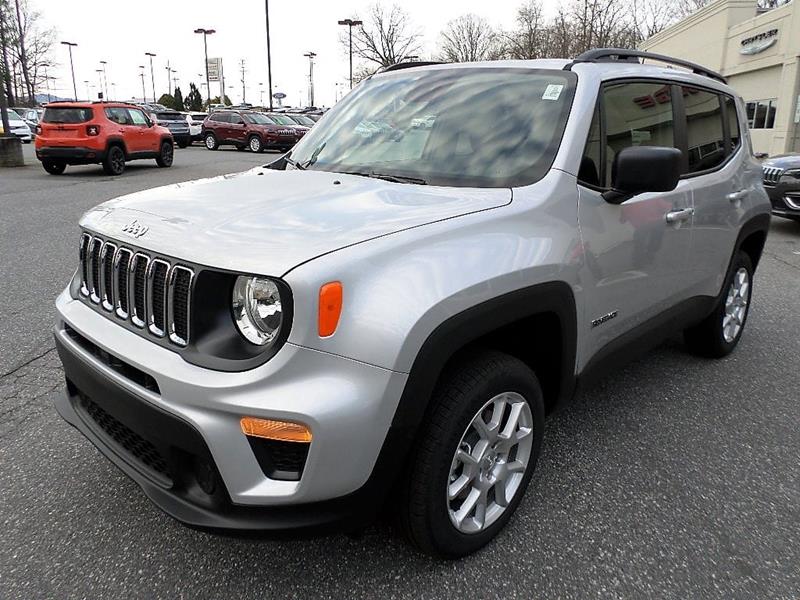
{"x": 756, "y": 46}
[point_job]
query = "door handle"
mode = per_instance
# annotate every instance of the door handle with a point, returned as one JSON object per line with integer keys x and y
{"x": 736, "y": 196}
{"x": 676, "y": 216}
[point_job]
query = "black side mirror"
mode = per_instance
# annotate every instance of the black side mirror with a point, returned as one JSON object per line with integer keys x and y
{"x": 639, "y": 169}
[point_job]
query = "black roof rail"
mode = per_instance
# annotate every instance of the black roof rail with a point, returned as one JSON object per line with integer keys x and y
{"x": 408, "y": 65}
{"x": 621, "y": 54}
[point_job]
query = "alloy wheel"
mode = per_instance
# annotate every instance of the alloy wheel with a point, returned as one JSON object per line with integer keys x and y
{"x": 490, "y": 462}
{"x": 736, "y": 305}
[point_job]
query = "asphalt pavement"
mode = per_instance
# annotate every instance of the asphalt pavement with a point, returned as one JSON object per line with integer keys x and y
{"x": 674, "y": 478}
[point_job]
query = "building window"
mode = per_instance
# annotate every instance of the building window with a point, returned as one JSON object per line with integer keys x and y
{"x": 761, "y": 114}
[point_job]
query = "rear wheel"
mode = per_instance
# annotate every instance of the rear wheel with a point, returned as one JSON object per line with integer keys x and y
{"x": 210, "y": 140}
{"x": 114, "y": 162}
{"x": 166, "y": 154}
{"x": 255, "y": 144}
{"x": 475, "y": 455}
{"x": 54, "y": 167}
{"x": 183, "y": 143}
{"x": 719, "y": 333}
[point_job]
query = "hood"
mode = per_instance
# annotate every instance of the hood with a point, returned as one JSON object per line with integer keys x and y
{"x": 783, "y": 161}
{"x": 266, "y": 222}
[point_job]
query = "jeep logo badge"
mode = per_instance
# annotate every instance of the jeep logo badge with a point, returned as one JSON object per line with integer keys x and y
{"x": 135, "y": 229}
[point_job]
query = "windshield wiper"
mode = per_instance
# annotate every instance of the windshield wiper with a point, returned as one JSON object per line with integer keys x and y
{"x": 313, "y": 157}
{"x": 292, "y": 162}
{"x": 398, "y": 178}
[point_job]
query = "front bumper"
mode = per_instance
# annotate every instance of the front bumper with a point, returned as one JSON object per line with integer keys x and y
{"x": 785, "y": 199}
{"x": 194, "y": 419}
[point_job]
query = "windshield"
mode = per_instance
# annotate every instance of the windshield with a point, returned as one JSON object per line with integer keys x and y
{"x": 282, "y": 120}
{"x": 482, "y": 127}
{"x": 65, "y": 114}
{"x": 302, "y": 120}
{"x": 258, "y": 119}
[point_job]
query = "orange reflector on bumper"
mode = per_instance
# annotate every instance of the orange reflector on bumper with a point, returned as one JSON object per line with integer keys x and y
{"x": 330, "y": 308}
{"x": 282, "y": 431}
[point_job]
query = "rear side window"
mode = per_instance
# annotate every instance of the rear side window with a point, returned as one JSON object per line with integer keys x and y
{"x": 220, "y": 117}
{"x": 704, "y": 129}
{"x": 65, "y": 114}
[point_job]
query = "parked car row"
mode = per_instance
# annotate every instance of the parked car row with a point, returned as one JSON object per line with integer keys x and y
{"x": 18, "y": 126}
{"x": 248, "y": 129}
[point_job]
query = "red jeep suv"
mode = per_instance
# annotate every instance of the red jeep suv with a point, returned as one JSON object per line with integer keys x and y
{"x": 247, "y": 129}
{"x": 107, "y": 133}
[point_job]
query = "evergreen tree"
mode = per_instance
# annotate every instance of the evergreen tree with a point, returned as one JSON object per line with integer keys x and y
{"x": 166, "y": 100}
{"x": 177, "y": 99}
{"x": 193, "y": 100}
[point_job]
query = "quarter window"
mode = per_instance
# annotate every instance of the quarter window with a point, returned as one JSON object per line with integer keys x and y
{"x": 704, "y": 129}
{"x": 761, "y": 113}
{"x": 733, "y": 121}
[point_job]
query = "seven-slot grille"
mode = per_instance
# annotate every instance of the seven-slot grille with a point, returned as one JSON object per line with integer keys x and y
{"x": 772, "y": 175}
{"x": 151, "y": 293}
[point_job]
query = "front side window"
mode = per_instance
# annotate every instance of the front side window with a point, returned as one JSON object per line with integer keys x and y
{"x": 137, "y": 116}
{"x": 481, "y": 127}
{"x": 258, "y": 119}
{"x": 704, "y": 129}
{"x": 235, "y": 119}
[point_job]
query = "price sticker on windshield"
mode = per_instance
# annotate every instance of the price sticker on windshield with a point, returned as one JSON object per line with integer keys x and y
{"x": 553, "y": 92}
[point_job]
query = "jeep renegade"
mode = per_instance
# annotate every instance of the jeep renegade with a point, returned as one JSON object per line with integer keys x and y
{"x": 385, "y": 315}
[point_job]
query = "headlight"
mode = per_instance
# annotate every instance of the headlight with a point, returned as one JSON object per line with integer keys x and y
{"x": 792, "y": 173}
{"x": 257, "y": 309}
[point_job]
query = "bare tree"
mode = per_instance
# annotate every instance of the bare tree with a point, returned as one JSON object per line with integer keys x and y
{"x": 386, "y": 38}
{"x": 28, "y": 47}
{"x": 529, "y": 39}
{"x": 468, "y": 38}
{"x": 5, "y": 42}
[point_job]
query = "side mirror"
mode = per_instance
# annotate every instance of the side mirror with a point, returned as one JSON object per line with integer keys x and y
{"x": 640, "y": 169}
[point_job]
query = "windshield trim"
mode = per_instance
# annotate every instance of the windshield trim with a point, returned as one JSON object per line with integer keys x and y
{"x": 527, "y": 176}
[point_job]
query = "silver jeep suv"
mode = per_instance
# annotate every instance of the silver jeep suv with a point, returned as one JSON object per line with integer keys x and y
{"x": 387, "y": 314}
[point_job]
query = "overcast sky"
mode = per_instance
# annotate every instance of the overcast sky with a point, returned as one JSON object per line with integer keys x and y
{"x": 121, "y": 32}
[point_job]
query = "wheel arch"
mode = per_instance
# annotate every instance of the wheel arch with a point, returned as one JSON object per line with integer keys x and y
{"x": 117, "y": 141}
{"x": 752, "y": 237}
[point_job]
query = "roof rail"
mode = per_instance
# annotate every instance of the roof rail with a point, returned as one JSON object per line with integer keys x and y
{"x": 408, "y": 65}
{"x": 621, "y": 54}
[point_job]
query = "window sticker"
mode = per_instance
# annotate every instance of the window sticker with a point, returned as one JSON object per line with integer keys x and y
{"x": 553, "y": 92}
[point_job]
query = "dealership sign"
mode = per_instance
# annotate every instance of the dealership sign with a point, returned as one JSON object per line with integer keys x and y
{"x": 214, "y": 68}
{"x": 759, "y": 43}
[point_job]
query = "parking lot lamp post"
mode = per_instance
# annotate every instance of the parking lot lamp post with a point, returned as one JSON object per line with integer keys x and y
{"x": 114, "y": 89}
{"x": 269, "y": 60}
{"x": 141, "y": 75}
{"x": 88, "y": 93}
{"x": 105, "y": 77}
{"x": 206, "y": 33}
{"x": 350, "y": 24}
{"x": 310, "y": 56}
{"x": 152, "y": 74}
{"x": 72, "y": 68}
{"x": 100, "y": 81}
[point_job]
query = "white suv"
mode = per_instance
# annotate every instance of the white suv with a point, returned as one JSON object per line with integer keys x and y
{"x": 387, "y": 314}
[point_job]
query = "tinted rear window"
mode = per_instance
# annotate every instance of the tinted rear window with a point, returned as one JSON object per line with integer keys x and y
{"x": 198, "y": 117}
{"x": 170, "y": 116}
{"x": 64, "y": 114}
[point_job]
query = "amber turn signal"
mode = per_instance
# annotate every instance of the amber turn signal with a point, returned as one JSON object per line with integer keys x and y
{"x": 283, "y": 431}
{"x": 330, "y": 308}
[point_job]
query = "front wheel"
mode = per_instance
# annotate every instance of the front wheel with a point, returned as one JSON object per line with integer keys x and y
{"x": 475, "y": 455}
{"x": 114, "y": 162}
{"x": 54, "y": 167}
{"x": 183, "y": 144}
{"x": 210, "y": 140}
{"x": 166, "y": 154}
{"x": 719, "y": 333}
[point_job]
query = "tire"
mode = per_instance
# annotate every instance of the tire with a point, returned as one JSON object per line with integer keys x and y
{"x": 114, "y": 162}
{"x": 241, "y": 148}
{"x": 54, "y": 167}
{"x": 255, "y": 144}
{"x": 719, "y": 333}
{"x": 183, "y": 144}
{"x": 166, "y": 154}
{"x": 210, "y": 141}
{"x": 463, "y": 395}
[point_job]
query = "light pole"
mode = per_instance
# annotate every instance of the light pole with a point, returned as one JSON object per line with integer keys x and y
{"x": 350, "y": 24}
{"x": 88, "y": 93}
{"x": 261, "y": 90}
{"x": 141, "y": 74}
{"x": 310, "y": 56}
{"x": 72, "y": 68}
{"x": 206, "y": 33}
{"x": 152, "y": 74}
{"x": 105, "y": 77}
{"x": 100, "y": 80}
{"x": 114, "y": 89}
{"x": 169, "y": 79}
{"x": 269, "y": 61}
{"x": 244, "y": 89}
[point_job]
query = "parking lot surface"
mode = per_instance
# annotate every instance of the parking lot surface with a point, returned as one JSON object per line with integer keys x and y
{"x": 675, "y": 477}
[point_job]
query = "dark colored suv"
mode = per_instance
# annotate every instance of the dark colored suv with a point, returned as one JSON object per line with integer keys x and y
{"x": 107, "y": 133}
{"x": 176, "y": 123}
{"x": 246, "y": 129}
{"x": 782, "y": 182}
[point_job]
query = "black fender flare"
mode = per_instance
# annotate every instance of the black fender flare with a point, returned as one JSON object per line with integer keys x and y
{"x": 116, "y": 141}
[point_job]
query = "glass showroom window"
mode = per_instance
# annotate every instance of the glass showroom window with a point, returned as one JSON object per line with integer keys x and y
{"x": 761, "y": 113}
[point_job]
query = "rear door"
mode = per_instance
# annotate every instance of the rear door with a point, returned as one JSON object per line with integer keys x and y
{"x": 716, "y": 174}
{"x": 635, "y": 253}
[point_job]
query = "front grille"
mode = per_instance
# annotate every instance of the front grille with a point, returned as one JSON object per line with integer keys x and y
{"x": 137, "y": 447}
{"x": 150, "y": 292}
{"x": 772, "y": 175}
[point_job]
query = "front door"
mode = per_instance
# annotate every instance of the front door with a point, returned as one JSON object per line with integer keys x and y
{"x": 146, "y": 139}
{"x": 636, "y": 253}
